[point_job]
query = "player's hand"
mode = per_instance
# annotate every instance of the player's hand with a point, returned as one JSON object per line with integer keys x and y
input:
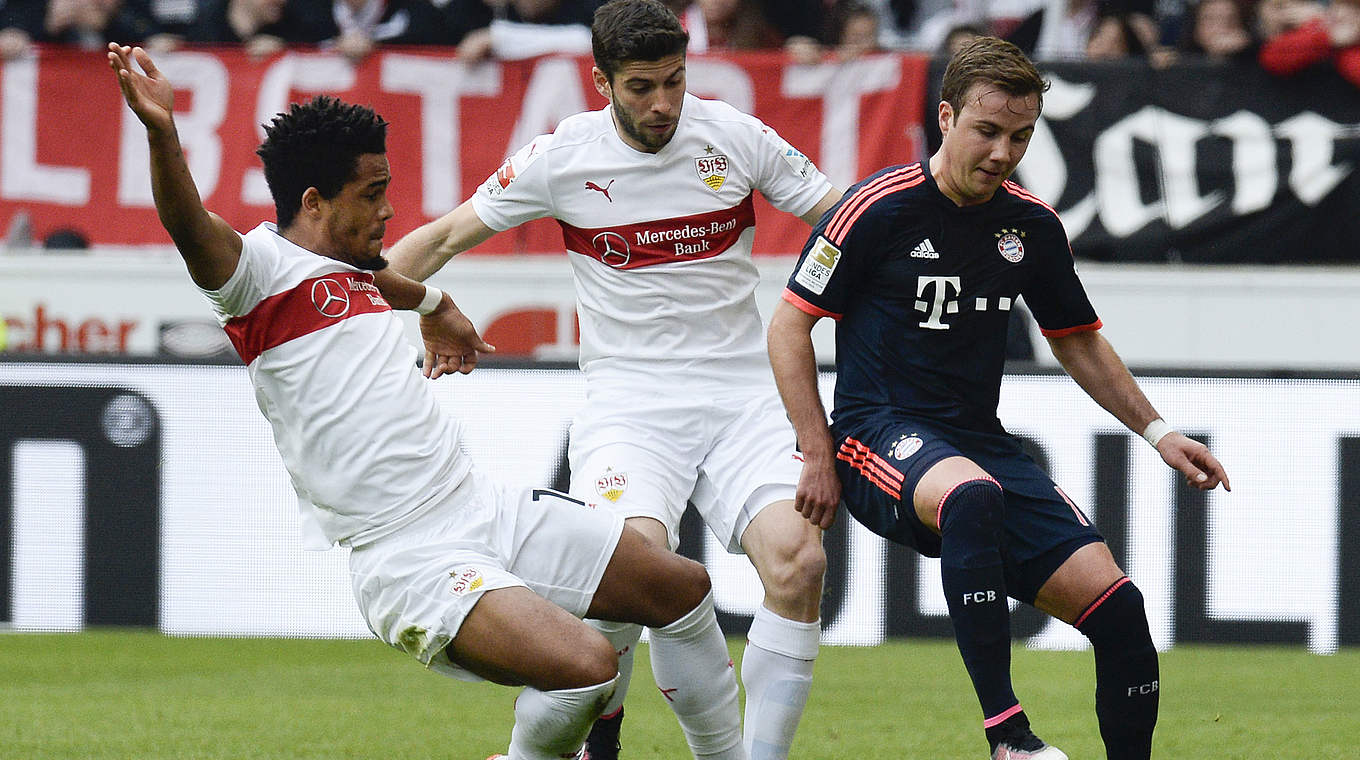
{"x": 148, "y": 94}
{"x": 451, "y": 341}
{"x": 1193, "y": 460}
{"x": 819, "y": 492}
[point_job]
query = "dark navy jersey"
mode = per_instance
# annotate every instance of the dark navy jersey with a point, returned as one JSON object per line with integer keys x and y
{"x": 922, "y": 289}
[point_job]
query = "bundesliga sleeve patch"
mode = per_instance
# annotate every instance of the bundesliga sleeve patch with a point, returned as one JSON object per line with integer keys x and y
{"x": 817, "y": 268}
{"x": 799, "y": 163}
{"x": 510, "y": 170}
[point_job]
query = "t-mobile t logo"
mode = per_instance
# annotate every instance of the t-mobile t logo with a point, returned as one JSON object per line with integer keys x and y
{"x": 940, "y": 302}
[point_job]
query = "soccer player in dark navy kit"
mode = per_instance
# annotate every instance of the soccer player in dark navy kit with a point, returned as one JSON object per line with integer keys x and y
{"x": 920, "y": 266}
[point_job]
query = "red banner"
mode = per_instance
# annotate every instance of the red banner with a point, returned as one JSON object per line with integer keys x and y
{"x": 71, "y": 155}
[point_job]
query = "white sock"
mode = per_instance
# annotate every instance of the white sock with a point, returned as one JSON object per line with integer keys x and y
{"x": 693, "y": 669}
{"x": 624, "y": 638}
{"x": 776, "y": 670}
{"x": 553, "y": 724}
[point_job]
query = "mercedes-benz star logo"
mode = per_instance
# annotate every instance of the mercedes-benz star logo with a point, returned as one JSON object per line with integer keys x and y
{"x": 613, "y": 249}
{"x": 330, "y": 298}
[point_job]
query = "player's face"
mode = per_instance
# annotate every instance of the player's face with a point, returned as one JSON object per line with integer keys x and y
{"x": 647, "y": 96}
{"x": 357, "y": 218}
{"x": 983, "y": 143}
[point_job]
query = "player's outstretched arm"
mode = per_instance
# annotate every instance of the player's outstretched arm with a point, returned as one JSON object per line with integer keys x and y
{"x": 452, "y": 343}
{"x": 209, "y": 245}
{"x": 424, "y": 250}
{"x": 1093, "y": 363}
{"x": 795, "y": 372}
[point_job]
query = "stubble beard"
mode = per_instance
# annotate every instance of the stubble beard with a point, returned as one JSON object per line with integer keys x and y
{"x": 630, "y": 128}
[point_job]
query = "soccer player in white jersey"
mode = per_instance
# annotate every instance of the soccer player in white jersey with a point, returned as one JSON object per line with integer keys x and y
{"x": 474, "y": 579}
{"x": 654, "y": 197}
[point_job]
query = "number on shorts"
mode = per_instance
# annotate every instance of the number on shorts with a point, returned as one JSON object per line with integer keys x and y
{"x": 556, "y": 494}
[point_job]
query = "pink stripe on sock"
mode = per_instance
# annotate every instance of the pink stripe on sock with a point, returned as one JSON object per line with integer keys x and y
{"x": 939, "y": 508}
{"x": 995, "y": 719}
{"x": 1101, "y": 600}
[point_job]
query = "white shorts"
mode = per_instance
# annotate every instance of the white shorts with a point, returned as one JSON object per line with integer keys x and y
{"x": 417, "y": 585}
{"x": 648, "y": 456}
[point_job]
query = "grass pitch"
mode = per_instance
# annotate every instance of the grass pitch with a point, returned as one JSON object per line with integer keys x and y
{"x": 143, "y": 696}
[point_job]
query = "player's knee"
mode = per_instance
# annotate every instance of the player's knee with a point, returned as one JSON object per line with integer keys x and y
{"x": 1117, "y": 617}
{"x": 598, "y": 663}
{"x": 975, "y": 506}
{"x": 970, "y": 519}
{"x": 796, "y": 568}
{"x": 688, "y": 584}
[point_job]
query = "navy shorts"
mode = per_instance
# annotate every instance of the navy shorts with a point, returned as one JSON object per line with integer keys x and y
{"x": 880, "y": 462}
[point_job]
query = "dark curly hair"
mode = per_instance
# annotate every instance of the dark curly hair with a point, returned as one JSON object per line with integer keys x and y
{"x": 634, "y": 30}
{"x": 317, "y": 144}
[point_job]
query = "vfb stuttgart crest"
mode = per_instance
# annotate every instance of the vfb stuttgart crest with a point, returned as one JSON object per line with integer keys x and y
{"x": 712, "y": 170}
{"x": 465, "y": 581}
{"x": 611, "y": 485}
{"x": 1009, "y": 243}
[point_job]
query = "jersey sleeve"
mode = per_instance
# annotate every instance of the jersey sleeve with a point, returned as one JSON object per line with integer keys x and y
{"x": 789, "y": 180}
{"x": 519, "y": 191}
{"x": 838, "y": 256}
{"x": 1054, "y": 293}
{"x": 246, "y": 287}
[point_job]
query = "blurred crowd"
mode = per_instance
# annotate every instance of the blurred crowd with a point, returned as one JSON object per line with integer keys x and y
{"x": 1286, "y": 36}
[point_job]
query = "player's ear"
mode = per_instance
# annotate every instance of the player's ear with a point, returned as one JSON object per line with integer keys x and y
{"x": 946, "y": 117}
{"x": 601, "y": 82}
{"x": 312, "y": 201}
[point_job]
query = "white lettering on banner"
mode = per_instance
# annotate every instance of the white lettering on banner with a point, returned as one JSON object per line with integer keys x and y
{"x": 294, "y": 72}
{"x": 728, "y": 82}
{"x": 1313, "y": 137}
{"x": 554, "y": 93}
{"x": 1044, "y": 170}
{"x": 21, "y": 176}
{"x": 1116, "y": 198}
{"x": 1253, "y": 161}
{"x": 1122, "y": 211}
{"x": 440, "y": 83}
{"x": 206, "y": 78}
{"x": 841, "y": 88}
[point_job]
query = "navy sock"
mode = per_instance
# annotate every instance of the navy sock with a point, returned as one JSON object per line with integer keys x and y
{"x": 1127, "y": 681}
{"x": 975, "y": 589}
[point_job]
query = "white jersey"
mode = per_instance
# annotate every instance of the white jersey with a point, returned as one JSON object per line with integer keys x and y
{"x": 660, "y": 244}
{"x": 362, "y": 435}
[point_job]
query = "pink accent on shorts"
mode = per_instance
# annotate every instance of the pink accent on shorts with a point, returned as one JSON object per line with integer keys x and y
{"x": 939, "y": 508}
{"x": 1108, "y": 592}
{"x": 995, "y": 719}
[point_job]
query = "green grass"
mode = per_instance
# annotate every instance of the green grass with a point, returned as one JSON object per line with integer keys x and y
{"x": 139, "y": 695}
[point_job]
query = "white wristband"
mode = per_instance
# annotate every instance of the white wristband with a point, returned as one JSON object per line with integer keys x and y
{"x": 430, "y": 302}
{"x": 1155, "y": 431}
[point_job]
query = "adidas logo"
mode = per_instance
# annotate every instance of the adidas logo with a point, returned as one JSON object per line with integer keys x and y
{"x": 925, "y": 250}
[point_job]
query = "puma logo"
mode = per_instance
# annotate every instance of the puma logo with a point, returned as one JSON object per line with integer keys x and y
{"x": 602, "y": 190}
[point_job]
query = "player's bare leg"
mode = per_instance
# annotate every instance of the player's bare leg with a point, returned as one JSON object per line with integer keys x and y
{"x": 776, "y": 668}
{"x": 1092, "y": 593}
{"x": 513, "y": 636}
{"x": 966, "y": 506}
{"x": 691, "y": 666}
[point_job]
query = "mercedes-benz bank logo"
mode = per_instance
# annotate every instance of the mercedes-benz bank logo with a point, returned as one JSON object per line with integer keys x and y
{"x": 330, "y": 298}
{"x": 613, "y": 249}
